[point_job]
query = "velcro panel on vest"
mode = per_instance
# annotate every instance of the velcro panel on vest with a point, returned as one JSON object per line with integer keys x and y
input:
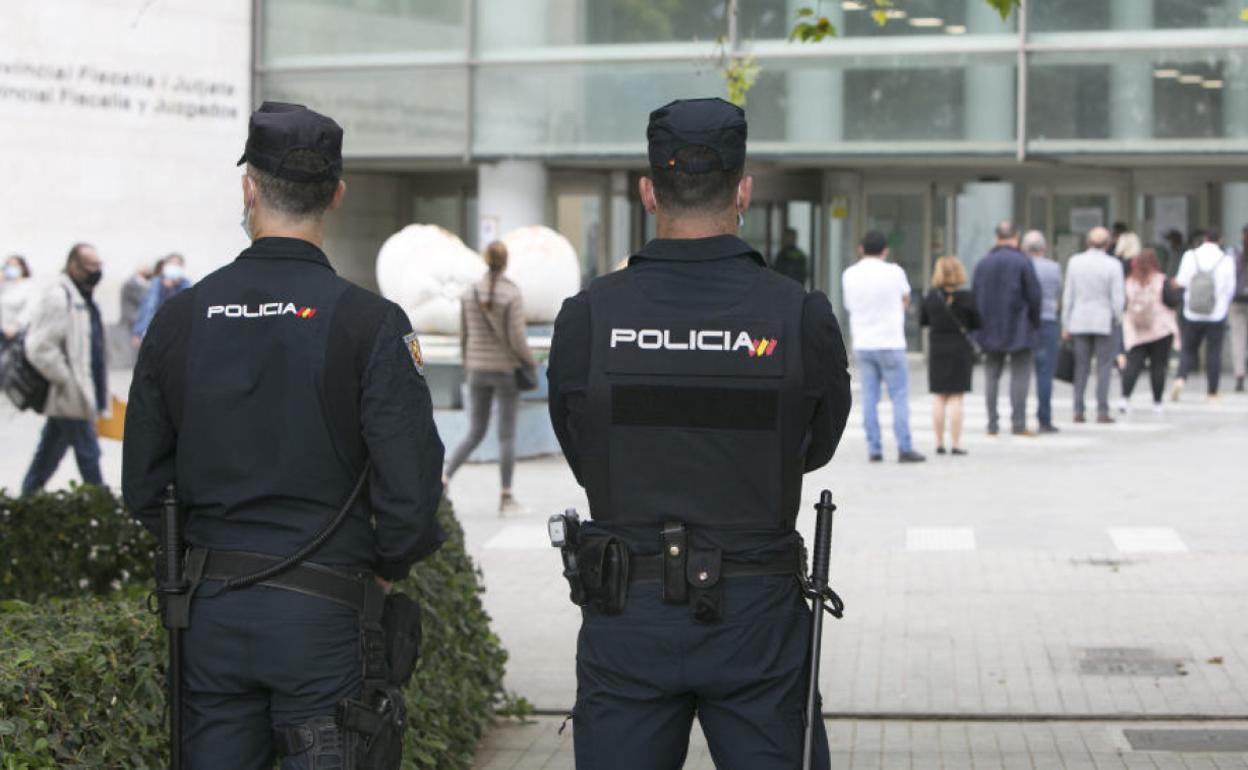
{"x": 683, "y": 406}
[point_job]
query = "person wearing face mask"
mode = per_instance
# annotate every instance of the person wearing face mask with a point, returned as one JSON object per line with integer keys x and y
{"x": 65, "y": 342}
{"x": 169, "y": 279}
{"x": 16, "y": 291}
{"x": 278, "y": 396}
{"x": 690, "y": 392}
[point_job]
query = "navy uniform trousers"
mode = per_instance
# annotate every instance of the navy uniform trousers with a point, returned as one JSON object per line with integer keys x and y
{"x": 644, "y": 674}
{"x": 259, "y": 659}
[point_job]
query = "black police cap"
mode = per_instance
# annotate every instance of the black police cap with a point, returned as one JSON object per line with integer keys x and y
{"x": 712, "y": 123}
{"x": 278, "y": 128}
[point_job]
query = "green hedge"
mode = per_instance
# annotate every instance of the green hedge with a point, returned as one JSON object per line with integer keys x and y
{"x": 72, "y": 543}
{"x": 82, "y": 678}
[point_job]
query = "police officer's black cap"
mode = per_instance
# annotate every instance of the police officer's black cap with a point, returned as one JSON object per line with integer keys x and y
{"x": 278, "y": 128}
{"x": 711, "y": 123}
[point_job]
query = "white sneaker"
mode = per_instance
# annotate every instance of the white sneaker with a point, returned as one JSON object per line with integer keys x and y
{"x": 1159, "y": 408}
{"x": 1176, "y": 390}
{"x": 1124, "y": 406}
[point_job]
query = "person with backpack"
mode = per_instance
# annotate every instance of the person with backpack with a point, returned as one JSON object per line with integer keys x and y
{"x": 65, "y": 345}
{"x": 1207, "y": 273}
{"x": 1149, "y": 326}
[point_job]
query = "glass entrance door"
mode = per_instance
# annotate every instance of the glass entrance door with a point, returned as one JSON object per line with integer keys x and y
{"x": 1169, "y": 220}
{"x": 905, "y": 219}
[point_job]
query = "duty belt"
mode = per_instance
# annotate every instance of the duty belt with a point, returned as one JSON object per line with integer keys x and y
{"x": 305, "y": 578}
{"x": 642, "y": 568}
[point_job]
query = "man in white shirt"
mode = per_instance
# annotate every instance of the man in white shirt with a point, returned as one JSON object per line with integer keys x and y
{"x": 876, "y": 296}
{"x": 1207, "y": 274}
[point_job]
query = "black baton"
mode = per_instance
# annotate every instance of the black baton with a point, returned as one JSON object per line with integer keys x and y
{"x": 819, "y": 593}
{"x": 172, "y": 594}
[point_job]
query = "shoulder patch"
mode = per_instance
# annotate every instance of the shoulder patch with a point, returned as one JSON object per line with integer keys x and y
{"x": 413, "y": 349}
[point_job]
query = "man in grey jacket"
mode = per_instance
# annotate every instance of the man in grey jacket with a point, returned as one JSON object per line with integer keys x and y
{"x": 65, "y": 342}
{"x": 1049, "y": 274}
{"x": 1092, "y": 304}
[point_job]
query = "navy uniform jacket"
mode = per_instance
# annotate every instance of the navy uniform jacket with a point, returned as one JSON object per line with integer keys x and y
{"x": 262, "y": 392}
{"x": 706, "y": 272}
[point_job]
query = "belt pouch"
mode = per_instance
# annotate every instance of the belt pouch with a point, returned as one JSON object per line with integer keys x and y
{"x": 603, "y": 563}
{"x": 401, "y": 622}
{"x": 705, "y": 591}
{"x": 675, "y": 558}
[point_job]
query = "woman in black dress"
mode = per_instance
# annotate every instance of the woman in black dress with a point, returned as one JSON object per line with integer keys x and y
{"x": 949, "y": 313}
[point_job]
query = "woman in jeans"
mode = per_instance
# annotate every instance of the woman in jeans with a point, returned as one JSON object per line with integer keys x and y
{"x": 949, "y": 312}
{"x": 1149, "y": 326}
{"x": 494, "y": 345}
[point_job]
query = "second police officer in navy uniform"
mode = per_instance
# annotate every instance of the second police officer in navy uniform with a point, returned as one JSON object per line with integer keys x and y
{"x": 275, "y": 393}
{"x": 690, "y": 392}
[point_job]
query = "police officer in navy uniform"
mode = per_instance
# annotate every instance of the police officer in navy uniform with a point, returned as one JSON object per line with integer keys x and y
{"x": 268, "y": 392}
{"x": 690, "y": 392}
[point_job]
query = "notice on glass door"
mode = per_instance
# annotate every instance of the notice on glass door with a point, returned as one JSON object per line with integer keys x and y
{"x": 1084, "y": 218}
{"x": 1169, "y": 213}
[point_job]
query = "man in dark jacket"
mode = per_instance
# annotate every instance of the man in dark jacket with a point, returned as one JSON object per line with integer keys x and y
{"x": 1008, "y": 295}
{"x": 690, "y": 392}
{"x": 269, "y": 392}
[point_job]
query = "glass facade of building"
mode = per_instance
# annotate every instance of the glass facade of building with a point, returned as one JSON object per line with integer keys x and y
{"x": 567, "y": 78}
{"x": 930, "y": 127}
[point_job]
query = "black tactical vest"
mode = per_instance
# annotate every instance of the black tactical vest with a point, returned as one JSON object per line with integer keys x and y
{"x": 696, "y": 414}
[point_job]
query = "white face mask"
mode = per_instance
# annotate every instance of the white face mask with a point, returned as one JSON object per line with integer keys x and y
{"x": 12, "y": 272}
{"x": 246, "y": 213}
{"x": 243, "y": 223}
{"x": 172, "y": 272}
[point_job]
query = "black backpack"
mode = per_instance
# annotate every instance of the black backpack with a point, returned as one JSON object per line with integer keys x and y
{"x": 19, "y": 379}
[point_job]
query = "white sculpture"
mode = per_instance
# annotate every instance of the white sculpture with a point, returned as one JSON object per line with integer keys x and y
{"x": 426, "y": 269}
{"x": 545, "y": 267}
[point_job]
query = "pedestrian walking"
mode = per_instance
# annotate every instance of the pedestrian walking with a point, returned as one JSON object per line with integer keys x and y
{"x": 1149, "y": 327}
{"x": 1239, "y": 312}
{"x": 168, "y": 280}
{"x": 65, "y": 343}
{"x": 690, "y": 392}
{"x": 949, "y": 312}
{"x": 1092, "y": 305}
{"x": 494, "y": 345}
{"x": 16, "y": 298}
{"x": 1008, "y": 296}
{"x": 1207, "y": 274}
{"x": 877, "y": 295}
{"x": 280, "y": 397}
{"x": 791, "y": 260}
{"x": 1049, "y": 275}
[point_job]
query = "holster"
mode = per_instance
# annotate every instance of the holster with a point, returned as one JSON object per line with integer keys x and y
{"x": 603, "y": 563}
{"x": 390, "y": 634}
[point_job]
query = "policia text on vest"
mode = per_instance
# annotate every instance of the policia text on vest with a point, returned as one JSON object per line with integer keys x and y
{"x": 289, "y": 408}
{"x": 690, "y": 392}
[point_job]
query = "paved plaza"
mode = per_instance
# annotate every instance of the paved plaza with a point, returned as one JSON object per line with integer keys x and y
{"x": 1029, "y": 605}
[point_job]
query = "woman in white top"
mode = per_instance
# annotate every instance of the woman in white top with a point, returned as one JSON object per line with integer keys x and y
{"x": 16, "y": 298}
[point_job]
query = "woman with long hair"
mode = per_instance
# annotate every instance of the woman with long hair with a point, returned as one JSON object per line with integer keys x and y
{"x": 949, "y": 312}
{"x": 494, "y": 345}
{"x": 1149, "y": 326}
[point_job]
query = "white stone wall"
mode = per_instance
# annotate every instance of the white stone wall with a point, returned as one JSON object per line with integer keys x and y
{"x": 120, "y": 123}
